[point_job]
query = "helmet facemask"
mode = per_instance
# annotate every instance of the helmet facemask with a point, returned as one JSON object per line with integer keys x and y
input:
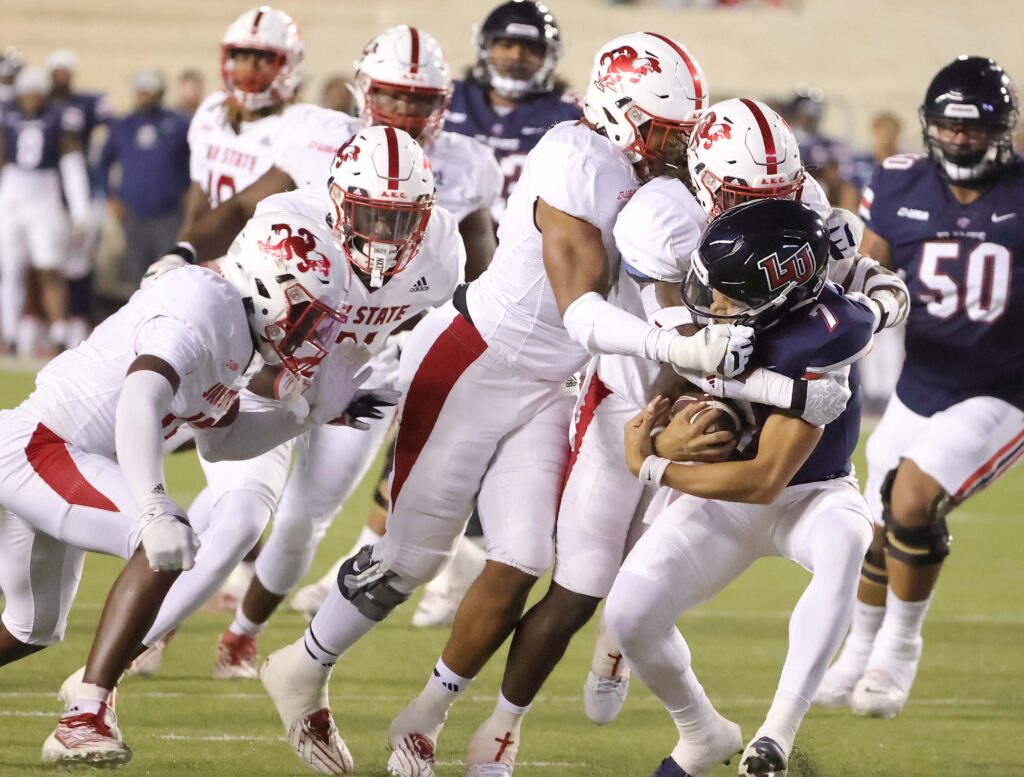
{"x": 530, "y": 73}
{"x": 418, "y": 110}
{"x": 660, "y": 145}
{"x": 969, "y": 152}
{"x": 379, "y": 238}
{"x": 304, "y": 335}
{"x": 728, "y": 193}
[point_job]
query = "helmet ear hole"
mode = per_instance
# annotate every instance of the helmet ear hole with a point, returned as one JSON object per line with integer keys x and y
{"x": 262, "y": 289}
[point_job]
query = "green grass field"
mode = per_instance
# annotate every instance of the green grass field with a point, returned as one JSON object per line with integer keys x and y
{"x": 966, "y": 717}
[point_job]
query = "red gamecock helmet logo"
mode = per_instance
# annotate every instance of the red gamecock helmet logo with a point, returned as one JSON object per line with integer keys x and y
{"x": 796, "y": 269}
{"x": 301, "y": 246}
{"x": 708, "y": 131}
{"x": 624, "y": 62}
{"x": 347, "y": 153}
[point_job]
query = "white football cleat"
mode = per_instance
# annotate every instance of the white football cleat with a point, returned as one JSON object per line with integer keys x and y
{"x": 298, "y": 687}
{"x": 878, "y": 695}
{"x": 236, "y": 658}
{"x": 69, "y": 692}
{"x": 84, "y": 738}
{"x": 309, "y": 598}
{"x": 492, "y": 750}
{"x": 436, "y": 608}
{"x": 836, "y": 688}
{"x": 764, "y": 757}
{"x": 603, "y": 697}
{"x": 413, "y": 742}
{"x": 443, "y": 595}
{"x": 233, "y": 590}
{"x": 718, "y": 742}
{"x": 489, "y": 770}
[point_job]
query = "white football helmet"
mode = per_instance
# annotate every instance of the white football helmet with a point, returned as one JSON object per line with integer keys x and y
{"x": 402, "y": 79}
{"x": 291, "y": 277}
{"x": 743, "y": 150}
{"x": 269, "y": 30}
{"x": 646, "y": 92}
{"x": 382, "y": 188}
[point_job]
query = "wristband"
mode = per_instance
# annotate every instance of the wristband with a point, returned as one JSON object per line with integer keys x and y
{"x": 653, "y": 470}
{"x": 186, "y": 251}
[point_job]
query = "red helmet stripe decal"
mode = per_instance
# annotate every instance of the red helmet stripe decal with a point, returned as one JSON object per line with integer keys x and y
{"x": 698, "y": 86}
{"x": 770, "y": 153}
{"x": 256, "y": 21}
{"x": 392, "y": 137}
{"x": 414, "y": 54}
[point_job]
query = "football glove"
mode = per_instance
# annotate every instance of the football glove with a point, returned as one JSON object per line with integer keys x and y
{"x": 167, "y": 538}
{"x": 721, "y": 348}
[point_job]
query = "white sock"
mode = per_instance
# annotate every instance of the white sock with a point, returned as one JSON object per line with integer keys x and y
{"x": 899, "y": 643}
{"x": 89, "y": 699}
{"x": 242, "y": 625}
{"x": 441, "y": 691}
{"x": 853, "y": 660}
{"x": 607, "y": 661}
{"x": 336, "y": 627}
{"x": 784, "y": 718}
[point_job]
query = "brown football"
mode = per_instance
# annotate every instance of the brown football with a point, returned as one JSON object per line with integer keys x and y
{"x": 729, "y": 421}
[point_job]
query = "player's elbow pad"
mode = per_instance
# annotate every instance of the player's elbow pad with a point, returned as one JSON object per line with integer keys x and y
{"x": 602, "y": 328}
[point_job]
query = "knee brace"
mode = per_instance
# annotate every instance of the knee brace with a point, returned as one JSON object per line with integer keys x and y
{"x": 873, "y": 570}
{"x": 918, "y": 546}
{"x": 368, "y": 585}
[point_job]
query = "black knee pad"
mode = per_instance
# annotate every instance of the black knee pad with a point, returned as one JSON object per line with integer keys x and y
{"x": 368, "y": 585}
{"x": 873, "y": 570}
{"x": 920, "y": 546}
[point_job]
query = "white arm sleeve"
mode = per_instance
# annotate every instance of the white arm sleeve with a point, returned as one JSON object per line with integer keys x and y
{"x": 602, "y": 328}
{"x": 75, "y": 180}
{"x": 138, "y": 436}
{"x": 250, "y": 435}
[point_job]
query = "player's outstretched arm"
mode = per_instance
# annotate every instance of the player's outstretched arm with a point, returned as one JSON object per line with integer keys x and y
{"x": 783, "y": 447}
{"x": 145, "y": 400}
{"x": 211, "y": 233}
{"x": 576, "y": 265}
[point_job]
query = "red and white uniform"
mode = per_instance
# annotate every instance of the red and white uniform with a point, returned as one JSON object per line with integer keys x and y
{"x": 60, "y": 485}
{"x": 485, "y": 407}
{"x": 334, "y": 457}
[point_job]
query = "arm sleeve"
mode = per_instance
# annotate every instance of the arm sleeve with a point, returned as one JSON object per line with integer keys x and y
{"x": 602, "y": 328}
{"x": 138, "y": 436}
{"x": 250, "y": 435}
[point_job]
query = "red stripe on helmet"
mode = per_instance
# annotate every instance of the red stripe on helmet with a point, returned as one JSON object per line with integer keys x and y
{"x": 771, "y": 154}
{"x": 698, "y": 86}
{"x": 392, "y": 138}
{"x": 414, "y": 54}
{"x": 256, "y": 22}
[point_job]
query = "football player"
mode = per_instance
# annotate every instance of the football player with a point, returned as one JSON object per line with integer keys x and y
{"x": 512, "y": 95}
{"x": 81, "y": 468}
{"x": 763, "y": 263}
{"x": 740, "y": 150}
{"x": 951, "y": 220}
{"x": 41, "y": 161}
{"x": 380, "y": 202}
{"x": 486, "y": 412}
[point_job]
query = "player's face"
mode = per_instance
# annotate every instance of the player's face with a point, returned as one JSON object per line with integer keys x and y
{"x": 725, "y": 308}
{"x": 32, "y": 103}
{"x": 515, "y": 58}
{"x": 667, "y": 147}
{"x": 961, "y": 137}
{"x": 61, "y": 78}
{"x": 400, "y": 102}
{"x": 253, "y": 70}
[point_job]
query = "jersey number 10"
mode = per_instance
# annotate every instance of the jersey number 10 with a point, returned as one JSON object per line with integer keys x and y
{"x": 986, "y": 272}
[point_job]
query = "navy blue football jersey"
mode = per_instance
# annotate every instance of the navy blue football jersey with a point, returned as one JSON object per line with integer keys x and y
{"x": 964, "y": 266}
{"x": 834, "y": 332}
{"x": 83, "y": 112}
{"x": 31, "y": 143}
{"x": 511, "y": 136}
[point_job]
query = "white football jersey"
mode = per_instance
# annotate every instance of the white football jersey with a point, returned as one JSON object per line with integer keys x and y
{"x": 427, "y": 281}
{"x": 191, "y": 318}
{"x": 512, "y": 305}
{"x": 466, "y": 173}
{"x": 295, "y": 140}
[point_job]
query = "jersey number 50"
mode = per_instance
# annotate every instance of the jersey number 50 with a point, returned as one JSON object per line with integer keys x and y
{"x": 985, "y": 288}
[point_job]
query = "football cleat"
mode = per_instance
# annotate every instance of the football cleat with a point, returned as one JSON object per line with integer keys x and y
{"x": 764, "y": 757}
{"x": 669, "y": 768}
{"x": 69, "y": 692}
{"x": 148, "y": 662}
{"x": 878, "y": 695}
{"x": 443, "y": 595}
{"x": 236, "y": 657}
{"x": 436, "y": 608}
{"x": 85, "y": 738}
{"x": 298, "y": 688}
{"x": 716, "y": 744}
{"x": 489, "y": 770}
{"x": 836, "y": 688}
{"x": 603, "y": 697}
{"x": 412, "y": 738}
{"x": 308, "y": 599}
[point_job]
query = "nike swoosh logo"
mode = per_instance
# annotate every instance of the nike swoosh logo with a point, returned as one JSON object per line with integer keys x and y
{"x": 996, "y": 219}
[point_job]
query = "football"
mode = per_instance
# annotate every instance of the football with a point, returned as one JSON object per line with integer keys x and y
{"x": 729, "y": 421}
